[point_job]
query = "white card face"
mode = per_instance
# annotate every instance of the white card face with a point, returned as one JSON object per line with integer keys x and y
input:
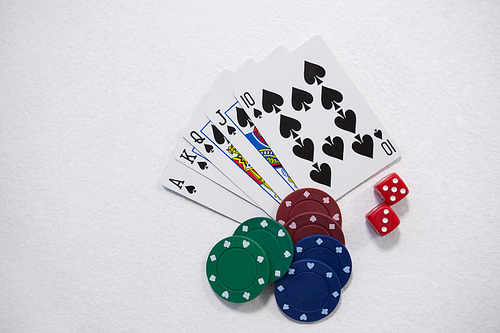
{"x": 232, "y": 121}
{"x": 194, "y": 186}
{"x": 189, "y": 156}
{"x": 316, "y": 121}
{"x": 218, "y": 150}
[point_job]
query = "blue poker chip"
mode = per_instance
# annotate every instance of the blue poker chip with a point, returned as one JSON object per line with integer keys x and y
{"x": 328, "y": 250}
{"x": 310, "y": 291}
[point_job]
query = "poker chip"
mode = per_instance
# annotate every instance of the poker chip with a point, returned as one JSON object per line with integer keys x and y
{"x": 275, "y": 241}
{"x": 327, "y": 250}
{"x": 237, "y": 269}
{"x": 313, "y": 224}
{"x": 308, "y": 200}
{"x": 310, "y": 291}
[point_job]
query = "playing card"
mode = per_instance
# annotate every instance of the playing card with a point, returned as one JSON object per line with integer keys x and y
{"x": 194, "y": 186}
{"x": 232, "y": 121}
{"x": 192, "y": 158}
{"x": 316, "y": 121}
{"x": 189, "y": 156}
{"x": 218, "y": 150}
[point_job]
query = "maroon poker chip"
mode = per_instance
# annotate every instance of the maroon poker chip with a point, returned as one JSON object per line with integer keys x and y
{"x": 306, "y": 200}
{"x": 313, "y": 224}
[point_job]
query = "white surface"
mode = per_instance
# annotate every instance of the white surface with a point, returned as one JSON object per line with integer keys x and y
{"x": 92, "y": 97}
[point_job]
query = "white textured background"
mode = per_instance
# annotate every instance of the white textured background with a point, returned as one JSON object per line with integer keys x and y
{"x": 93, "y": 95}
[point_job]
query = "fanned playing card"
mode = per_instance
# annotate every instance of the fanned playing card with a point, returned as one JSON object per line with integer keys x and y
{"x": 190, "y": 184}
{"x": 232, "y": 123}
{"x": 204, "y": 136}
{"x": 316, "y": 121}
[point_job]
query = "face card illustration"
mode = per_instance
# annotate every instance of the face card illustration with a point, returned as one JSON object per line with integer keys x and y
{"x": 316, "y": 121}
{"x": 194, "y": 186}
{"x": 232, "y": 121}
{"x": 228, "y": 160}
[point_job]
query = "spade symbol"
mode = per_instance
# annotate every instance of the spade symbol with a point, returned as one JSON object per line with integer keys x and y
{"x": 231, "y": 130}
{"x": 330, "y": 97}
{"x": 218, "y": 136}
{"x": 322, "y": 174}
{"x": 271, "y": 101}
{"x": 378, "y": 133}
{"x": 209, "y": 148}
{"x": 242, "y": 117}
{"x": 334, "y": 148}
{"x": 346, "y": 121}
{"x": 203, "y": 165}
{"x": 364, "y": 146}
{"x": 257, "y": 113}
{"x": 191, "y": 189}
{"x": 313, "y": 72}
{"x": 301, "y": 99}
{"x": 289, "y": 126}
{"x": 304, "y": 149}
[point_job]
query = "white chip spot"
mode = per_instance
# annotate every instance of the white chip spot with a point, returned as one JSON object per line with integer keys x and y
{"x": 384, "y": 229}
{"x": 227, "y": 244}
{"x": 280, "y": 288}
{"x": 403, "y": 191}
{"x": 245, "y": 228}
{"x": 281, "y": 233}
{"x": 393, "y": 198}
{"x": 347, "y": 269}
{"x": 261, "y": 281}
{"x": 288, "y": 203}
{"x": 298, "y": 249}
{"x": 338, "y": 249}
{"x": 263, "y": 223}
{"x": 260, "y": 259}
{"x": 287, "y": 254}
{"x": 225, "y": 294}
{"x": 319, "y": 241}
{"x": 307, "y": 194}
{"x": 329, "y": 275}
{"x": 291, "y": 271}
{"x": 394, "y": 189}
{"x": 277, "y": 273}
{"x": 246, "y": 295}
{"x": 395, "y": 180}
{"x": 212, "y": 257}
{"x": 281, "y": 222}
{"x": 212, "y": 278}
{"x": 303, "y": 317}
{"x": 386, "y": 211}
{"x": 324, "y": 311}
{"x": 385, "y": 187}
{"x": 332, "y": 226}
{"x": 286, "y": 306}
{"x": 326, "y": 200}
{"x": 313, "y": 218}
{"x": 335, "y": 294}
{"x": 385, "y": 220}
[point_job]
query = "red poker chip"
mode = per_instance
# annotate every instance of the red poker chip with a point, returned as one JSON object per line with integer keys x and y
{"x": 308, "y": 200}
{"x": 313, "y": 223}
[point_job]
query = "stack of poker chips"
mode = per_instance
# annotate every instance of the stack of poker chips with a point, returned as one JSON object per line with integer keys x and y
{"x": 240, "y": 266}
{"x": 302, "y": 250}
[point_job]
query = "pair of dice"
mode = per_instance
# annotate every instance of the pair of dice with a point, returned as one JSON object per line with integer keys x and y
{"x": 382, "y": 218}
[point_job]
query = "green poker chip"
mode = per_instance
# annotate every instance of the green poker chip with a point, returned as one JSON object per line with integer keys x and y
{"x": 237, "y": 269}
{"x": 275, "y": 240}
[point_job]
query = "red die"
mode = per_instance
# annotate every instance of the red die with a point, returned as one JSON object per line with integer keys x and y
{"x": 383, "y": 219}
{"x": 391, "y": 189}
